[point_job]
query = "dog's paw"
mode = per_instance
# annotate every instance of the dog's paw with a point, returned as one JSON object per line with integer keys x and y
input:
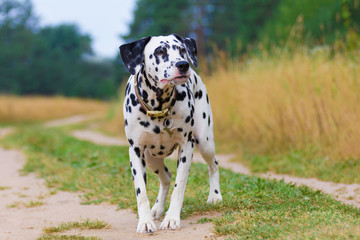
{"x": 146, "y": 226}
{"x": 214, "y": 198}
{"x": 170, "y": 223}
{"x": 157, "y": 211}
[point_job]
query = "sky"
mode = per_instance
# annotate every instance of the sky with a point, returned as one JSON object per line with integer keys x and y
{"x": 103, "y": 20}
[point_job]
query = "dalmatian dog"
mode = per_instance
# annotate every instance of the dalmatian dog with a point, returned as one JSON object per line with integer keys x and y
{"x": 166, "y": 108}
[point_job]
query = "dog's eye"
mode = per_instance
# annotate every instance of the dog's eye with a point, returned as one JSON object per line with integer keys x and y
{"x": 182, "y": 51}
{"x": 159, "y": 52}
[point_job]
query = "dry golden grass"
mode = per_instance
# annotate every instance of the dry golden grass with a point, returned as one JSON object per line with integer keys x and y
{"x": 270, "y": 104}
{"x": 15, "y": 109}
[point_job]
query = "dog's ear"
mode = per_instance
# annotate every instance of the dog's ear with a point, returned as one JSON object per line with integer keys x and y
{"x": 132, "y": 54}
{"x": 191, "y": 49}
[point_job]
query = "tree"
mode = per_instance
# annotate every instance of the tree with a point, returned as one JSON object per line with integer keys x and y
{"x": 49, "y": 60}
{"x": 160, "y": 17}
{"x": 321, "y": 21}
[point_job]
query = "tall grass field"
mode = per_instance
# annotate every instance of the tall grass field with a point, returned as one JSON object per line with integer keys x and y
{"x": 296, "y": 113}
{"x": 30, "y": 109}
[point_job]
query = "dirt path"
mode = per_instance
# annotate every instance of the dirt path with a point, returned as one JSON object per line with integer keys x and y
{"x": 71, "y": 120}
{"x": 16, "y": 191}
{"x": 20, "y": 221}
{"x": 347, "y": 193}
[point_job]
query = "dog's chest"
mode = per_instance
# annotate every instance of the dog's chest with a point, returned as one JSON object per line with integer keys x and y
{"x": 160, "y": 136}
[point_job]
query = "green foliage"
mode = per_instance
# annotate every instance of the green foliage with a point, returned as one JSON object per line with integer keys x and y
{"x": 49, "y": 60}
{"x": 159, "y": 17}
{"x": 237, "y": 26}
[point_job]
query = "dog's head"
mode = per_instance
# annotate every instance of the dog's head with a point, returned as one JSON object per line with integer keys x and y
{"x": 164, "y": 58}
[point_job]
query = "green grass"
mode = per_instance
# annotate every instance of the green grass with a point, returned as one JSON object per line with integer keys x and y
{"x": 85, "y": 224}
{"x": 252, "y": 207}
{"x": 306, "y": 163}
{"x": 52, "y": 232}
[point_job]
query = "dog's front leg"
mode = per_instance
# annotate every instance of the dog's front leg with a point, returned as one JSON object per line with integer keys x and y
{"x": 172, "y": 218}
{"x": 146, "y": 223}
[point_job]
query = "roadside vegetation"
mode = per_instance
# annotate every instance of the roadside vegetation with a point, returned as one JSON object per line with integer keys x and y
{"x": 88, "y": 224}
{"x": 31, "y": 109}
{"x": 252, "y": 208}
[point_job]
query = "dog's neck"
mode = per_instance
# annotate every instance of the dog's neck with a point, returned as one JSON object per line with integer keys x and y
{"x": 149, "y": 90}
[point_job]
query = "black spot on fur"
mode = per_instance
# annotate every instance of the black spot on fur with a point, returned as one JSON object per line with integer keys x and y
{"x": 216, "y": 191}
{"x": 145, "y": 124}
{"x": 187, "y": 119}
{"x": 145, "y": 178}
{"x": 134, "y": 101}
{"x": 183, "y": 159}
{"x": 190, "y": 137}
{"x": 204, "y": 115}
{"x": 175, "y": 185}
{"x": 156, "y": 129}
{"x": 209, "y": 120}
{"x": 192, "y": 122}
{"x": 144, "y": 95}
{"x": 143, "y": 162}
{"x": 134, "y": 171}
{"x": 137, "y": 151}
{"x": 142, "y": 110}
{"x": 131, "y": 142}
{"x": 126, "y": 122}
{"x": 207, "y": 99}
{"x": 180, "y": 96}
{"x": 138, "y": 191}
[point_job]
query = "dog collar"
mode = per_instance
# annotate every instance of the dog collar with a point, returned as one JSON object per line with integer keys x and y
{"x": 149, "y": 111}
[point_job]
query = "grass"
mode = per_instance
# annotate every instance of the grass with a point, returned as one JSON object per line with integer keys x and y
{"x": 15, "y": 109}
{"x": 252, "y": 207}
{"x": 291, "y": 113}
{"x": 84, "y": 224}
{"x": 30, "y": 204}
{"x": 52, "y": 232}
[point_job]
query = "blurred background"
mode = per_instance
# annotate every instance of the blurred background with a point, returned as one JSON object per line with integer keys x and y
{"x": 282, "y": 75}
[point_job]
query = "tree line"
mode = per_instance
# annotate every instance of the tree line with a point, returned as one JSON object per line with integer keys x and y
{"x": 58, "y": 60}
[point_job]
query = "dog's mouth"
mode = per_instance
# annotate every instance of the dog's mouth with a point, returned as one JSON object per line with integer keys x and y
{"x": 176, "y": 80}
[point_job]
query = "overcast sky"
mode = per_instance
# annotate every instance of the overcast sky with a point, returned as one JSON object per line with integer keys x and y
{"x": 104, "y": 20}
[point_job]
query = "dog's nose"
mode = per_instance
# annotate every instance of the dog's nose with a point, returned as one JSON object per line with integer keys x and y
{"x": 183, "y": 66}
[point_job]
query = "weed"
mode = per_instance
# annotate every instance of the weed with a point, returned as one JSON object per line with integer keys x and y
{"x": 51, "y": 232}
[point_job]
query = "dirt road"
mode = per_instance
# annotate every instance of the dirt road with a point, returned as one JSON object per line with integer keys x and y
{"x": 18, "y": 220}
{"x": 27, "y": 205}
